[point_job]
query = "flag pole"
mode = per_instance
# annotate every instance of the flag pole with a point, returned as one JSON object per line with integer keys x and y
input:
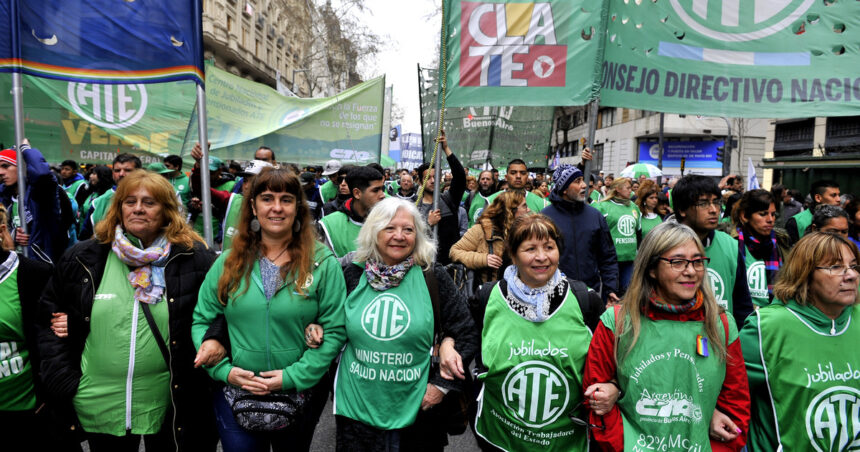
{"x": 18, "y": 108}
{"x": 205, "y": 196}
{"x": 592, "y": 129}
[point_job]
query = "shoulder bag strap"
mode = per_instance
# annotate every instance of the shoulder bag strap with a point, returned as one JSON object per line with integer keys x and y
{"x": 155, "y": 332}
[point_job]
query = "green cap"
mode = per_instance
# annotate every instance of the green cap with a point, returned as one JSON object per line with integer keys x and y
{"x": 215, "y": 163}
{"x": 159, "y": 168}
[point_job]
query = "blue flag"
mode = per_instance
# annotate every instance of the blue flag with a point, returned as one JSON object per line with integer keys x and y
{"x": 108, "y": 41}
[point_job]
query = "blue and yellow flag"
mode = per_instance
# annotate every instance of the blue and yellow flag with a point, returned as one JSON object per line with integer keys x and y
{"x": 104, "y": 41}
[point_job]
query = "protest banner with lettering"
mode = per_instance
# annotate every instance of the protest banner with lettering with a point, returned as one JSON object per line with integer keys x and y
{"x": 530, "y": 53}
{"x": 486, "y": 135}
{"x": 104, "y": 40}
{"x": 244, "y": 115}
{"x": 411, "y": 152}
{"x": 759, "y": 58}
{"x": 92, "y": 123}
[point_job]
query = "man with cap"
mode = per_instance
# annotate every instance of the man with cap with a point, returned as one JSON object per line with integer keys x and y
{"x": 328, "y": 190}
{"x": 343, "y": 192}
{"x": 588, "y": 254}
{"x": 47, "y": 224}
{"x": 122, "y": 165}
{"x": 177, "y": 178}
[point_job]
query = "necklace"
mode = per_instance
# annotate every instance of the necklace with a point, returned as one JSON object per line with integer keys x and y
{"x": 279, "y": 255}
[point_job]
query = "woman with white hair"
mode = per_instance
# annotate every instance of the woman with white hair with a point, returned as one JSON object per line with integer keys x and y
{"x": 385, "y": 386}
{"x": 673, "y": 353}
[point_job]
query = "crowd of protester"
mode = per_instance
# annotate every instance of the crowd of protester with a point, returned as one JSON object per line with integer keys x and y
{"x": 546, "y": 310}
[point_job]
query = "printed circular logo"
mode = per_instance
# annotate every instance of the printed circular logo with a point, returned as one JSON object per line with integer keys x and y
{"x": 478, "y": 214}
{"x": 108, "y": 106}
{"x": 543, "y": 66}
{"x": 719, "y": 287}
{"x": 627, "y": 225}
{"x": 385, "y": 318}
{"x": 736, "y": 21}
{"x": 536, "y": 392}
{"x": 757, "y": 279}
{"x": 833, "y": 419}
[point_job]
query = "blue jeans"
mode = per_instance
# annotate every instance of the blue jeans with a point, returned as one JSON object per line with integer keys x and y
{"x": 625, "y": 273}
{"x": 236, "y": 439}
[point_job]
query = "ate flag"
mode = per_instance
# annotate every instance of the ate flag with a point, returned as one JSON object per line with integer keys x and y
{"x": 105, "y": 41}
{"x": 541, "y": 53}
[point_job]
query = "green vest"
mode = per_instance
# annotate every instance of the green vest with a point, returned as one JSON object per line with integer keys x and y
{"x": 100, "y": 206}
{"x": 623, "y": 223}
{"x": 340, "y": 232}
{"x": 670, "y": 391}
{"x": 756, "y": 280}
{"x": 803, "y": 220}
{"x": 125, "y": 384}
{"x": 595, "y": 195}
{"x": 17, "y": 392}
{"x": 534, "y": 378}
{"x": 72, "y": 190}
{"x": 535, "y": 202}
{"x": 476, "y": 208}
{"x": 231, "y": 220}
{"x": 650, "y": 223}
{"x": 183, "y": 187}
{"x": 16, "y": 222}
{"x": 722, "y": 270}
{"x": 328, "y": 191}
{"x": 813, "y": 380}
{"x": 384, "y": 367}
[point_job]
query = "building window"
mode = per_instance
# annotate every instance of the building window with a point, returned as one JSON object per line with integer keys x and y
{"x": 257, "y": 48}
{"x": 794, "y": 137}
{"x": 607, "y": 117}
{"x": 229, "y": 23}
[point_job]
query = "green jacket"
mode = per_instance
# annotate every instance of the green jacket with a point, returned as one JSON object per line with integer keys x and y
{"x": 269, "y": 334}
{"x": 762, "y": 426}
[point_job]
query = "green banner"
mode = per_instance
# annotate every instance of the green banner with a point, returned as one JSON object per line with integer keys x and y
{"x": 244, "y": 115}
{"x": 92, "y": 123}
{"x": 770, "y": 59}
{"x": 486, "y": 135}
{"x": 524, "y": 53}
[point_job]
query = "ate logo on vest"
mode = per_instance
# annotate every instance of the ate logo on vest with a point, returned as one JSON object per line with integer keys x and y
{"x": 833, "y": 419}
{"x": 719, "y": 287}
{"x": 757, "y": 279}
{"x": 627, "y": 225}
{"x": 385, "y": 318}
{"x": 536, "y": 392}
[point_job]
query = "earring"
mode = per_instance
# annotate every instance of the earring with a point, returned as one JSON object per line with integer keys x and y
{"x": 297, "y": 225}
{"x": 255, "y": 225}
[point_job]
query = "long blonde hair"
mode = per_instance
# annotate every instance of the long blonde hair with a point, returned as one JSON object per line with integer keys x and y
{"x": 500, "y": 215}
{"x": 662, "y": 238}
{"x": 615, "y": 185}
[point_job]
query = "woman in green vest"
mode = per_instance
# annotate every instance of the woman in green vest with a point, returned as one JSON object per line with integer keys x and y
{"x": 801, "y": 352}
{"x": 624, "y": 220}
{"x": 646, "y": 200}
{"x": 101, "y": 180}
{"x": 127, "y": 364}
{"x": 673, "y": 353}
{"x": 761, "y": 245}
{"x": 533, "y": 346}
{"x": 26, "y": 420}
{"x": 386, "y": 391}
{"x": 274, "y": 280}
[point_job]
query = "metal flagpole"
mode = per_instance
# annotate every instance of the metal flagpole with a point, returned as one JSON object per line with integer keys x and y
{"x": 660, "y": 145}
{"x": 18, "y": 106}
{"x": 589, "y": 143}
{"x": 205, "y": 196}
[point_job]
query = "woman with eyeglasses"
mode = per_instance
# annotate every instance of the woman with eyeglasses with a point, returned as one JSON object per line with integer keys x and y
{"x": 800, "y": 352}
{"x": 673, "y": 353}
{"x": 762, "y": 246}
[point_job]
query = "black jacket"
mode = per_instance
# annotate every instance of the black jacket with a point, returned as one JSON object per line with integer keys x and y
{"x": 588, "y": 254}
{"x": 449, "y": 205}
{"x": 456, "y": 321}
{"x": 71, "y": 290}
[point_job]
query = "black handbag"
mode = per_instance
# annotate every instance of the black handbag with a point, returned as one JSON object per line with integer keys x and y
{"x": 265, "y": 413}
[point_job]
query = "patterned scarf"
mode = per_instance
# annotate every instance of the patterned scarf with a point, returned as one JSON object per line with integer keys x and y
{"x": 537, "y": 299}
{"x": 766, "y": 250}
{"x": 661, "y": 305}
{"x": 147, "y": 278}
{"x": 383, "y": 277}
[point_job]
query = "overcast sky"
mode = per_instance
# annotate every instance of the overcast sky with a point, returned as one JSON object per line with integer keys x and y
{"x": 412, "y": 30}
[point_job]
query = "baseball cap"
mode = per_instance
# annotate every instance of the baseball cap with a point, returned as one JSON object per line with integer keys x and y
{"x": 255, "y": 166}
{"x": 307, "y": 177}
{"x": 158, "y": 167}
{"x": 215, "y": 163}
{"x": 9, "y": 156}
{"x": 331, "y": 167}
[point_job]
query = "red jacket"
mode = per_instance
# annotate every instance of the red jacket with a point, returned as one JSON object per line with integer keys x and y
{"x": 600, "y": 367}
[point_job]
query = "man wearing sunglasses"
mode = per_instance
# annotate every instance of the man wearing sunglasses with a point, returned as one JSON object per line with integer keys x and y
{"x": 697, "y": 204}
